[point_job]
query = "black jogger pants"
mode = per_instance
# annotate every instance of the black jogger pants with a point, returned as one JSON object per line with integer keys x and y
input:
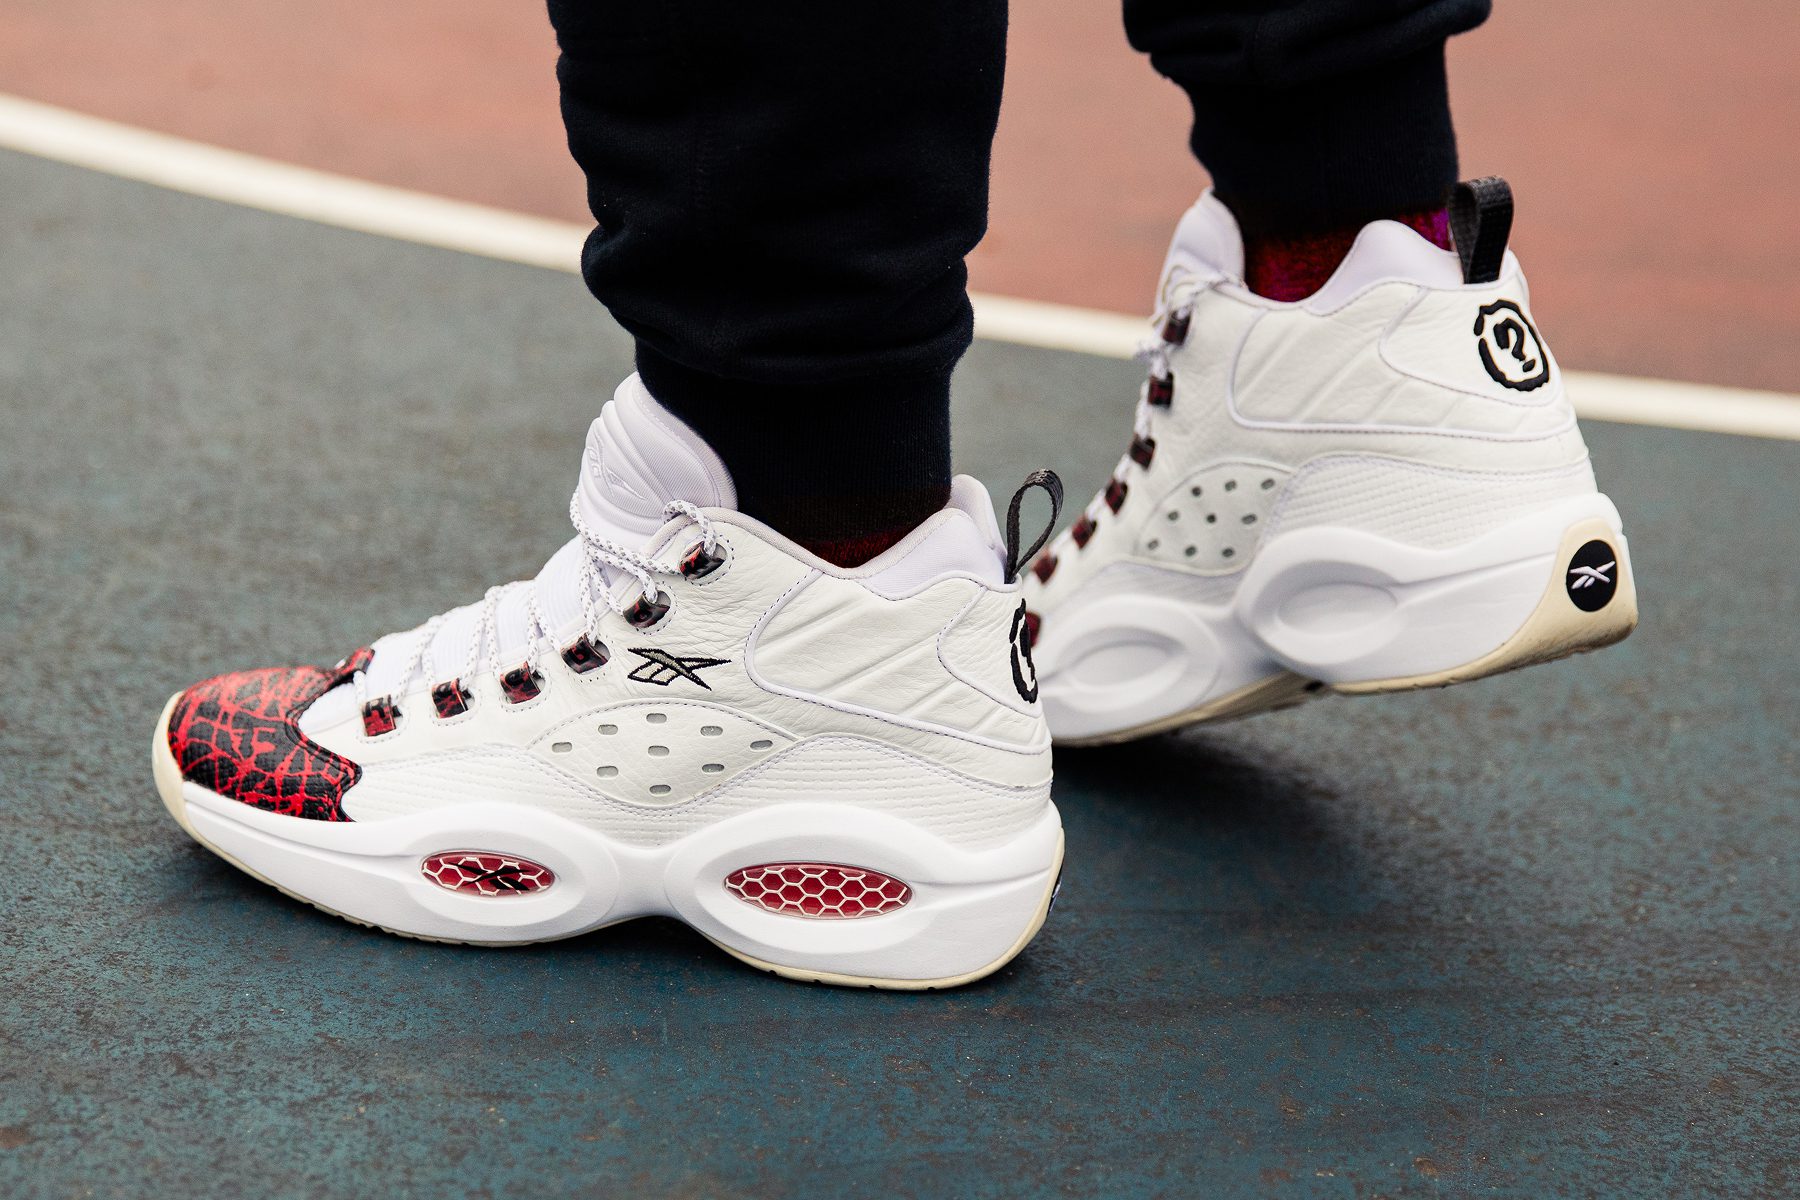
{"x": 784, "y": 192}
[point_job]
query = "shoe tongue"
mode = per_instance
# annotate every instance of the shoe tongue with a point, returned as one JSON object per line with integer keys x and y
{"x": 1207, "y": 244}
{"x": 638, "y": 458}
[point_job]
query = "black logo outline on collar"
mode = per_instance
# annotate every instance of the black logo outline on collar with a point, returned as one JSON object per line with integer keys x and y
{"x": 1511, "y": 350}
{"x": 1021, "y": 657}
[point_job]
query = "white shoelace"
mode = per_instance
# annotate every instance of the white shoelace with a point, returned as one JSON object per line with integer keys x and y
{"x": 602, "y": 555}
{"x": 1179, "y": 293}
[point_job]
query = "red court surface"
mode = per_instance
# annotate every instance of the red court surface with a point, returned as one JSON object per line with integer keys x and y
{"x": 1656, "y": 213}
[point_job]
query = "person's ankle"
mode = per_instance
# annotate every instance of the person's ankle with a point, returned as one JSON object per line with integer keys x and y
{"x": 1288, "y": 264}
{"x": 850, "y": 530}
{"x": 845, "y": 470}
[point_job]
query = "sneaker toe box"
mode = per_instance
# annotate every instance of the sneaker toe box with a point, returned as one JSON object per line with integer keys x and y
{"x": 238, "y": 735}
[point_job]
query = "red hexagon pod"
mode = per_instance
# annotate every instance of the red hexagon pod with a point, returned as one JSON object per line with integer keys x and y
{"x": 822, "y": 891}
{"x": 485, "y": 873}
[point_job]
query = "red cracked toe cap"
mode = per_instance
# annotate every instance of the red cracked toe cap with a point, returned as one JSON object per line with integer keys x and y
{"x": 239, "y": 735}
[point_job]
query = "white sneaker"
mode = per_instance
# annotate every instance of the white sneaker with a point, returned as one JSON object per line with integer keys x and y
{"x": 836, "y": 775}
{"x": 1379, "y": 487}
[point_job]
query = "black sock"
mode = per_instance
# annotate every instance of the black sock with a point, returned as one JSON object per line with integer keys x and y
{"x": 845, "y": 469}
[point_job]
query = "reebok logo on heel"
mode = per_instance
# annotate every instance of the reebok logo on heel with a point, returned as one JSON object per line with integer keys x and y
{"x": 1593, "y": 576}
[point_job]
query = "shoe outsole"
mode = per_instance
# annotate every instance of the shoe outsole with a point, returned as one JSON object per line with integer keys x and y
{"x": 1556, "y": 629}
{"x": 169, "y": 785}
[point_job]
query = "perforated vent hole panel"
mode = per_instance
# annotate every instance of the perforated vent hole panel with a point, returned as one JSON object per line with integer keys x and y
{"x": 658, "y": 753}
{"x": 1212, "y": 520}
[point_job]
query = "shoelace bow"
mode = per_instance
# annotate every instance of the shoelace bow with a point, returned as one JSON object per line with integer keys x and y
{"x": 601, "y": 555}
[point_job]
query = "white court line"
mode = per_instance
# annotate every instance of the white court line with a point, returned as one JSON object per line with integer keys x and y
{"x": 245, "y": 179}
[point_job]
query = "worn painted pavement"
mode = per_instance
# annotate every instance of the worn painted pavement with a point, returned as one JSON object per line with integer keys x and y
{"x": 1535, "y": 937}
{"x": 1655, "y": 195}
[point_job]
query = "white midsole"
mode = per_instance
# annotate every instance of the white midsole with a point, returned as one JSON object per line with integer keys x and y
{"x": 1334, "y": 604}
{"x": 969, "y": 908}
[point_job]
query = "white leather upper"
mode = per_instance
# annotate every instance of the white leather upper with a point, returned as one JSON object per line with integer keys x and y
{"x": 825, "y": 769}
{"x": 827, "y": 642}
{"x": 839, "y": 660}
{"x": 1386, "y": 362}
{"x": 902, "y": 667}
{"x": 1366, "y": 404}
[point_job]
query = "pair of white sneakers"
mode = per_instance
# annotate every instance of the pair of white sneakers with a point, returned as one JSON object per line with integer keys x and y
{"x": 843, "y": 775}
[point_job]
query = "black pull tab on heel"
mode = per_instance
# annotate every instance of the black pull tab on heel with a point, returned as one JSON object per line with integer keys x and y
{"x": 1481, "y": 213}
{"x": 1053, "y": 488}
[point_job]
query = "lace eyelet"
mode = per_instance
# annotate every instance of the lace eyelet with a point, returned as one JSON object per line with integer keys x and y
{"x": 584, "y": 654}
{"x": 1044, "y": 567}
{"x": 699, "y": 562}
{"x": 357, "y": 660}
{"x": 1162, "y": 391}
{"x": 380, "y": 716}
{"x": 1083, "y": 530}
{"x": 1143, "y": 449}
{"x": 521, "y": 684}
{"x": 1175, "y": 329}
{"x": 449, "y": 699}
{"x": 647, "y": 612}
{"x": 1115, "y": 494}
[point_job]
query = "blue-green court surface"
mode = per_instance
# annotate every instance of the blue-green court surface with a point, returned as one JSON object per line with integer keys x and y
{"x": 1533, "y": 937}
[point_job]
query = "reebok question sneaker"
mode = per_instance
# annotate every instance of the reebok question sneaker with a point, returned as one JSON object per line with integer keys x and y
{"x": 834, "y": 774}
{"x": 1376, "y": 488}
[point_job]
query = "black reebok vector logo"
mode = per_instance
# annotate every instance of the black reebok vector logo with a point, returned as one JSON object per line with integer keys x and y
{"x": 1509, "y": 347}
{"x": 662, "y": 668}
